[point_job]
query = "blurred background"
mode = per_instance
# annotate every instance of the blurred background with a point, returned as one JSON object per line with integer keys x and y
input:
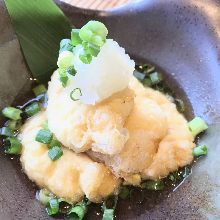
{"x": 97, "y": 4}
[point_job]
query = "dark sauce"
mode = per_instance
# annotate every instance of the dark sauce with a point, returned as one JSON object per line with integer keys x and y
{"x": 139, "y": 199}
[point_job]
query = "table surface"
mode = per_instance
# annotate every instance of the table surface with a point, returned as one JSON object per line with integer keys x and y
{"x": 97, "y": 4}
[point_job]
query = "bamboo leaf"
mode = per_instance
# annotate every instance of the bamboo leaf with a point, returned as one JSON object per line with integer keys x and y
{"x": 40, "y": 25}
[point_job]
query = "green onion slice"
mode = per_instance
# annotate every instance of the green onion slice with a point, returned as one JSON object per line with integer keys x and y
{"x": 147, "y": 82}
{"x": 75, "y": 94}
{"x": 65, "y": 59}
{"x": 63, "y": 77}
{"x": 66, "y": 45}
{"x": 180, "y": 105}
{"x": 200, "y": 150}
{"x": 54, "y": 143}
{"x": 13, "y": 125}
{"x": 153, "y": 185}
{"x": 5, "y": 131}
{"x": 32, "y": 109}
{"x": 85, "y": 58}
{"x": 139, "y": 75}
{"x": 75, "y": 38}
{"x": 108, "y": 212}
{"x": 71, "y": 70}
{"x": 124, "y": 192}
{"x": 197, "y": 125}
{"x": 175, "y": 176}
{"x": 78, "y": 211}
{"x": 55, "y": 153}
{"x": 45, "y": 125}
{"x": 94, "y": 32}
{"x": 44, "y": 196}
{"x": 91, "y": 49}
{"x": 13, "y": 146}
{"x": 38, "y": 90}
{"x": 53, "y": 206}
{"x": 44, "y": 136}
{"x": 12, "y": 113}
{"x": 155, "y": 78}
{"x": 186, "y": 172}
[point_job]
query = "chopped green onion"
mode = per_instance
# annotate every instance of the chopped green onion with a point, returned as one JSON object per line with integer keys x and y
{"x": 85, "y": 58}
{"x": 54, "y": 143}
{"x": 44, "y": 136}
{"x": 175, "y": 176}
{"x": 44, "y": 196}
{"x": 180, "y": 105}
{"x": 90, "y": 48}
{"x": 12, "y": 113}
{"x": 13, "y": 146}
{"x": 75, "y": 38}
{"x": 78, "y": 211}
{"x": 124, "y": 192}
{"x": 55, "y": 153}
{"x": 153, "y": 185}
{"x": 149, "y": 70}
{"x": 139, "y": 75}
{"x": 63, "y": 77}
{"x": 65, "y": 59}
{"x": 13, "y": 125}
{"x": 200, "y": 150}
{"x": 197, "y": 125}
{"x": 66, "y": 45}
{"x": 53, "y": 207}
{"x": 94, "y": 32}
{"x": 71, "y": 70}
{"x": 5, "y": 131}
{"x": 108, "y": 214}
{"x": 40, "y": 89}
{"x": 186, "y": 172}
{"x": 64, "y": 206}
{"x": 155, "y": 78}
{"x": 45, "y": 125}
{"x": 75, "y": 94}
{"x": 147, "y": 82}
{"x": 32, "y": 109}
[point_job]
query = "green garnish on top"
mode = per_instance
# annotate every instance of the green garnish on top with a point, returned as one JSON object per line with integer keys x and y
{"x": 89, "y": 39}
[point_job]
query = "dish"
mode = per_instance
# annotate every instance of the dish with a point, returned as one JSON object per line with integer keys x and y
{"x": 97, "y": 128}
{"x": 181, "y": 203}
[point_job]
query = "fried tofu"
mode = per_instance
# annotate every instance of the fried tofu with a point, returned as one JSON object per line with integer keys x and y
{"x": 72, "y": 176}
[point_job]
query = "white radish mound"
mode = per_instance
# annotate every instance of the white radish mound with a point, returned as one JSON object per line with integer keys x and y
{"x": 108, "y": 73}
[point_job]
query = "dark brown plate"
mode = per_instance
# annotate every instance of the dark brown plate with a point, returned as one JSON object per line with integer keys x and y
{"x": 182, "y": 37}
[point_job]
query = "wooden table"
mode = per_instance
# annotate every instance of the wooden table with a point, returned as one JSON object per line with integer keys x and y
{"x": 97, "y": 4}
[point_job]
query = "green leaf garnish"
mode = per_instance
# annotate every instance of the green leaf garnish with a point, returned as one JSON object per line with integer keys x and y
{"x": 40, "y": 25}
